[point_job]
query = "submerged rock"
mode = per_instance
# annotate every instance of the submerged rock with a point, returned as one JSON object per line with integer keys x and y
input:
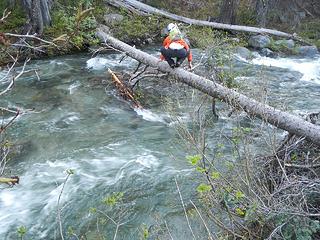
{"x": 259, "y": 41}
{"x": 308, "y": 51}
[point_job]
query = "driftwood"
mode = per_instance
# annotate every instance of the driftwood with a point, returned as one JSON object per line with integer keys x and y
{"x": 125, "y": 92}
{"x": 144, "y": 9}
{"x": 283, "y": 120}
{"x": 11, "y": 181}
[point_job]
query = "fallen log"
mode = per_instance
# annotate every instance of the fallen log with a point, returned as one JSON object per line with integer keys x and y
{"x": 283, "y": 120}
{"x": 144, "y": 9}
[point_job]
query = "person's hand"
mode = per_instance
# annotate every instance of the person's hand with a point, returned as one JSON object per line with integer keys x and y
{"x": 190, "y": 65}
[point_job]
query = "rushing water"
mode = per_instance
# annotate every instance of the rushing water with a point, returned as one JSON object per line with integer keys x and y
{"x": 71, "y": 121}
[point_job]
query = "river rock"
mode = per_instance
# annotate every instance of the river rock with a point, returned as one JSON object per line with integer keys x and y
{"x": 267, "y": 52}
{"x": 244, "y": 52}
{"x": 112, "y": 18}
{"x": 259, "y": 41}
{"x": 104, "y": 28}
{"x": 308, "y": 51}
{"x": 285, "y": 43}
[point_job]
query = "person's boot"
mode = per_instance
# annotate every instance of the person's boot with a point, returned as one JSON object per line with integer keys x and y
{"x": 178, "y": 63}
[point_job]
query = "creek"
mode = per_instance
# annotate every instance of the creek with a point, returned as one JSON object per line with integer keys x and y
{"x": 72, "y": 121}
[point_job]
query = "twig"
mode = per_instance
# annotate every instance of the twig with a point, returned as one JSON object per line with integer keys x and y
{"x": 5, "y": 14}
{"x": 302, "y": 166}
{"x": 165, "y": 222}
{"x": 275, "y": 231}
{"x": 184, "y": 209}
{"x": 15, "y": 77}
{"x": 69, "y": 172}
{"x": 30, "y": 36}
{"x": 114, "y": 222}
{"x": 204, "y": 223}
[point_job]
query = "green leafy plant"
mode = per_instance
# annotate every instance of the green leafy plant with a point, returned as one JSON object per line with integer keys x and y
{"x": 113, "y": 199}
{"x": 203, "y": 188}
{"x": 22, "y": 230}
{"x": 193, "y": 160}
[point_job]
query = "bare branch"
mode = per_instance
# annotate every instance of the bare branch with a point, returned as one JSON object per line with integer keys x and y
{"x": 69, "y": 172}
{"x": 15, "y": 77}
{"x": 184, "y": 209}
{"x": 204, "y": 223}
{"x": 34, "y": 36}
{"x": 5, "y": 15}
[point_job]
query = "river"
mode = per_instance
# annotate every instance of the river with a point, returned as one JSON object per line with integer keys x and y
{"x": 72, "y": 121}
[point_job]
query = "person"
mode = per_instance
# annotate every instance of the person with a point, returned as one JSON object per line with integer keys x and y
{"x": 174, "y": 46}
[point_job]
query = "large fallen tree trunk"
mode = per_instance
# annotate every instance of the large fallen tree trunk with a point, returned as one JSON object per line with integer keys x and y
{"x": 283, "y": 120}
{"x": 142, "y": 8}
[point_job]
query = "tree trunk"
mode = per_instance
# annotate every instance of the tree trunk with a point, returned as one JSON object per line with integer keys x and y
{"x": 262, "y": 8}
{"x": 282, "y": 120}
{"x": 228, "y": 11}
{"x": 141, "y": 8}
{"x": 38, "y": 12}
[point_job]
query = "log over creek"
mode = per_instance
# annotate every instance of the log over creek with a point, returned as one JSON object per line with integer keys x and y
{"x": 73, "y": 118}
{"x": 283, "y": 120}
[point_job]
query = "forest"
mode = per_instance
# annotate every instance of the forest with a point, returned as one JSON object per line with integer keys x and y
{"x": 127, "y": 119}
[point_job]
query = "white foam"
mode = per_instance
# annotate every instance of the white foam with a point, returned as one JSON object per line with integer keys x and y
{"x": 97, "y": 63}
{"x": 309, "y": 68}
{"x": 148, "y": 161}
{"x": 149, "y": 116}
{"x": 72, "y": 88}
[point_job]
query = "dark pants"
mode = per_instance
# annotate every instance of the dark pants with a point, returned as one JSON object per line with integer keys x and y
{"x": 168, "y": 54}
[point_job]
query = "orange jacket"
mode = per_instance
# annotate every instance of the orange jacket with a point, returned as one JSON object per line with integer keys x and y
{"x": 167, "y": 41}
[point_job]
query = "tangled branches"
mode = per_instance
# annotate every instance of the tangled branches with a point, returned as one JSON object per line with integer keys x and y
{"x": 253, "y": 196}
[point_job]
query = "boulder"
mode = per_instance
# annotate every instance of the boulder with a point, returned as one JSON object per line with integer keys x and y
{"x": 307, "y": 51}
{"x": 244, "y": 52}
{"x": 266, "y": 52}
{"x": 285, "y": 43}
{"x": 259, "y": 41}
{"x": 112, "y": 18}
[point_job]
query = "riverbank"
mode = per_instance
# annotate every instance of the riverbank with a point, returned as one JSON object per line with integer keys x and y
{"x": 73, "y": 30}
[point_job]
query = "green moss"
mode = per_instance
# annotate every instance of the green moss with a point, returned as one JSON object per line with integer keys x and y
{"x": 137, "y": 29}
{"x": 201, "y": 37}
{"x": 79, "y": 33}
{"x": 281, "y": 47}
{"x": 310, "y": 29}
{"x": 15, "y": 20}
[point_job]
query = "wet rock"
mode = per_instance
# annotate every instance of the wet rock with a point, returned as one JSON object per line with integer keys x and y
{"x": 308, "y": 51}
{"x": 285, "y": 43}
{"x": 267, "y": 53}
{"x": 104, "y": 28}
{"x": 112, "y": 18}
{"x": 244, "y": 52}
{"x": 259, "y": 41}
{"x": 149, "y": 41}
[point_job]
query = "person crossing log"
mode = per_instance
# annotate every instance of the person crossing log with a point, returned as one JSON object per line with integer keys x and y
{"x": 283, "y": 120}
